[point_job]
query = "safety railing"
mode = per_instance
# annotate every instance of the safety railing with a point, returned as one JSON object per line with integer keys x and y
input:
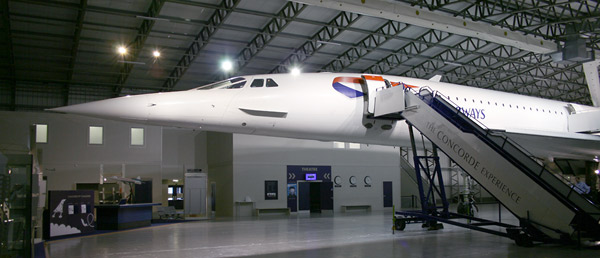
{"x": 509, "y": 150}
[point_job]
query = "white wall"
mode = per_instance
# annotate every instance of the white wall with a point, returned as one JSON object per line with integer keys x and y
{"x": 68, "y": 159}
{"x": 259, "y": 158}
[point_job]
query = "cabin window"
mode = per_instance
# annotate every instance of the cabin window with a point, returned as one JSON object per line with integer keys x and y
{"x": 257, "y": 83}
{"x": 271, "y": 83}
{"x": 231, "y": 83}
{"x": 237, "y": 85}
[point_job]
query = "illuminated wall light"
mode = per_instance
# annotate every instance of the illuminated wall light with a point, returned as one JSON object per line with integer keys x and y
{"x": 295, "y": 71}
{"x": 226, "y": 65}
{"x": 122, "y": 50}
{"x": 156, "y": 53}
{"x": 597, "y": 172}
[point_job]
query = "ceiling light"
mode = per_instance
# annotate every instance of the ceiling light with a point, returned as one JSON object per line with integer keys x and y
{"x": 131, "y": 62}
{"x": 328, "y": 43}
{"x": 122, "y": 50}
{"x": 452, "y": 63}
{"x": 226, "y": 65}
{"x": 151, "y": 18}
{"x": 295, "y": 71}
{"x": 156, "y": 53}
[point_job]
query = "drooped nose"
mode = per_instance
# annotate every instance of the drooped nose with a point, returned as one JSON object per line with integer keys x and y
{"x": 124, "y": 108}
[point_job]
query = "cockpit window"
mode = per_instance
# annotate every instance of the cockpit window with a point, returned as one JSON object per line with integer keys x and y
{"x": 231, "y": 83}
{"x": 271, "y": 83}
{"x": 257, "y": 83}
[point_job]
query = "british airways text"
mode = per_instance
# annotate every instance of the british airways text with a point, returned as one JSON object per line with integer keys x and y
{"x": 476, "y": 113}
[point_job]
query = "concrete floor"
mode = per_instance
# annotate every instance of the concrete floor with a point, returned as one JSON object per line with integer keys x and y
{"x": 355, "y": 234}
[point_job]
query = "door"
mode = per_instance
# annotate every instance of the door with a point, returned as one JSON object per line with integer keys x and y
{"x": 303, "y": 196}
{"x": 388, "y": 200}
{"x": 315, "y": 197}
{"x": 373, "y": 84}
{"x": 143, "y": 192}
{"x": 327, "y": 196}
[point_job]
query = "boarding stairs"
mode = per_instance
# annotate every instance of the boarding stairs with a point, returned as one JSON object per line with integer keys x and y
{"x": 547, "y": 208}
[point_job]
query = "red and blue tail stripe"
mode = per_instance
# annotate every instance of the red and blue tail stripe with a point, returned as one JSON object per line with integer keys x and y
{"x": 338, "y": 85}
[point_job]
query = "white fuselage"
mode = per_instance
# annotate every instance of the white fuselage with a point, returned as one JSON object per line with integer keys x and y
{"x": 309, "y": 107}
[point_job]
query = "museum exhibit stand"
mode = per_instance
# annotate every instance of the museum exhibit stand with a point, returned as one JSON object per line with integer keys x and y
{"x": 16, "y": 238}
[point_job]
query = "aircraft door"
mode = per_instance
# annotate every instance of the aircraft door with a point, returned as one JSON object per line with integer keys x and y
{"x": 372, "y": 83}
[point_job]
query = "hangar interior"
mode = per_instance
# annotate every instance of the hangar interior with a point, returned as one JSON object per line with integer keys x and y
{"x": 64, "y": 52}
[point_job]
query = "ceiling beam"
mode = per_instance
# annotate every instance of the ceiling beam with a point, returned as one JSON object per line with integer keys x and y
{"x": 136, "y": 46}
{"x": 75, "y": 48}
{"x": 278, "y": 23}
{"x": 406, "y": 13}
{"x": 200, "y": 41}
{"x": 337, "y": 25}
{"x": 365, "y": 46}
{"x": 8, "y": 51}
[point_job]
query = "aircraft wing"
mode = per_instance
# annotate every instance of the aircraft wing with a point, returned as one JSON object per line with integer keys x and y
{"x": 557, "y": 145}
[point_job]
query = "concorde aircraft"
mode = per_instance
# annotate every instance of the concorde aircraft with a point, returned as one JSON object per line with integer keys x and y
{"x": 339, "y": 107}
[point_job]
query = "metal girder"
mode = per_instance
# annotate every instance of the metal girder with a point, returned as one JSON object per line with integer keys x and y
{"x": 546, "y": 19}
{"x": 75, "y": 48}
{"x": 138, "y": 43}
{"x": 382, "y": 35}
{"x": 405, "y": 13}
{"x": 8, "y": 51}
{"x": 450, "y": 59}
{"x": 336, "y": 26}
{"x": 200, "y": 41}
{"x": 277, "y": 24}
{"x": 411, "y": 49}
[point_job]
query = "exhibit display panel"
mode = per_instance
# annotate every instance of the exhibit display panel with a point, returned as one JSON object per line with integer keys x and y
{"x": 15, "y": 205}
{"x": 70, "y": 213}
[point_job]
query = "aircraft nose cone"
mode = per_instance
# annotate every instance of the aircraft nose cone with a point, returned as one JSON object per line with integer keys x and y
{"x": 127, "y": 108}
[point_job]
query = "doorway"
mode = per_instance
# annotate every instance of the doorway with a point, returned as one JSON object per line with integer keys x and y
{"x": 388, "y": 195}
{"x": 315, "y": 196}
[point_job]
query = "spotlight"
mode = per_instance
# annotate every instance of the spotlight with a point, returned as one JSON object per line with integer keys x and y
{"x": 122, "y": 50}
{"x": 156, "y": 53}
{"x": 295, "y": 71}
{"x": 226, "y": 65}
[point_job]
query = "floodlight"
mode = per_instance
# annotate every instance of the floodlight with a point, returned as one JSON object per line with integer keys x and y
{"x": 122, "y": 50}
{"x": 295, "y": 71}
{"x": 156, "y": 53}
{"x": 226, "y": 65}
